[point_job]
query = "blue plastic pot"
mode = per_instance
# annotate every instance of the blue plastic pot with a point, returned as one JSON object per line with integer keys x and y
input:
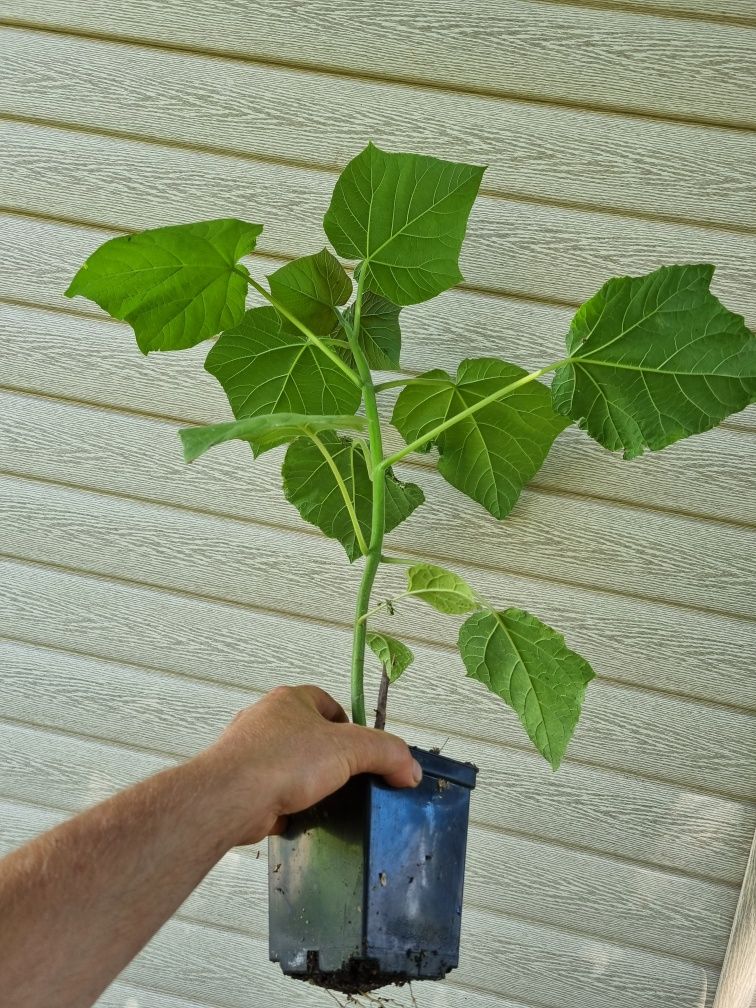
{"x": 366, "y": 887}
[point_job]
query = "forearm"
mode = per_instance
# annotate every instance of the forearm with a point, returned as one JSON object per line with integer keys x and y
{"x": 77, "y": 904}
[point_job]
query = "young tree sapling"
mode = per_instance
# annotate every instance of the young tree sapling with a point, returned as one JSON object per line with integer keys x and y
{"x": 648, "y": 360}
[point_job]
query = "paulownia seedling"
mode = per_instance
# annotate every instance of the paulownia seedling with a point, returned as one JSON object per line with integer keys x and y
{"x": 648, "y": 360}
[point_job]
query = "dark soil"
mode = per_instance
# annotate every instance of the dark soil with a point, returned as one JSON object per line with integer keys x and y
{"x": 359, "y": 976}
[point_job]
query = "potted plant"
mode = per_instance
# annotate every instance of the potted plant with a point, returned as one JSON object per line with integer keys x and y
{"x": 366, "y": 888}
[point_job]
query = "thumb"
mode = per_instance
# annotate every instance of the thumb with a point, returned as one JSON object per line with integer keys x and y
{"x": 379, "y": 752}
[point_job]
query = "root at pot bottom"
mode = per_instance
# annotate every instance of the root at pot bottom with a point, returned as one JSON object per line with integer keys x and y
{"x": 358, "y": 976}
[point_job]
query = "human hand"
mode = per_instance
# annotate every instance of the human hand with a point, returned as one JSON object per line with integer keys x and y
{"x": 294, "y": 747}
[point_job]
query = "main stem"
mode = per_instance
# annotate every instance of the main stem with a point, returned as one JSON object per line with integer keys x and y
{"x": 377, "y": 520}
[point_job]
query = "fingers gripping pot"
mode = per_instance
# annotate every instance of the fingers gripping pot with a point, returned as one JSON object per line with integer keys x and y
{"x": 366, "y": 887}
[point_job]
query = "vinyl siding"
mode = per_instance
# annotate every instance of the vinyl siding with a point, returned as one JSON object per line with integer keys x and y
{"x": 148, "y": 601}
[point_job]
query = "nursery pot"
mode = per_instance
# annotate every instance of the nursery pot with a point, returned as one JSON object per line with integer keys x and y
{"x": 366, "y": 887}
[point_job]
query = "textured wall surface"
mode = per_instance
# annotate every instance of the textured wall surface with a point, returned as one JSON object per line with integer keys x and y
{"x": 146, "y": 601}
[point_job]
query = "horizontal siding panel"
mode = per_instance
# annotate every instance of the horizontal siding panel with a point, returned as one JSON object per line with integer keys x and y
{"x": 702, "y": 475}
{"x": 513, "y": 247}
{"x": 703, "y": 654}
{"x": 511, "y": 876}
{"x": 592, "y": 543}
{"x": 608, "y": 58}
{"x": 41, "y": 256}
{"x": 601, "y": 810}
{"x": 532, "y": 150}
{"x": 67, "y": 765}
{"x": 661, "y": 737}
{"x": 719, "y": 10}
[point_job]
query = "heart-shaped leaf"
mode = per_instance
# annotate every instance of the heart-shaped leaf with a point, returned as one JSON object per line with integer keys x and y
{"x": 263, "y": 432}
{"x": 266, "y": 365}
{"x": 654, "y": 359}
{"x": 380, "y": 336}
{"x": 442, "y": 589}
{"x": 175, "y": 286}
{"x": 391, "y": 653}
{"x": 404, "y": 216}
{"x": 311, "y": 485}
{"x": 491, "y": 454}
{"x": 311, "y": 288}
{"x": 530, "y": 667}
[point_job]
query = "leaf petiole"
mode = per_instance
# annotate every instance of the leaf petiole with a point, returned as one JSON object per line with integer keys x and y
{"x": 432, "y": 434}
{"x": 385, "y": 604}
{"x": 348, "y": 502}
{"x": 305, "y": 330}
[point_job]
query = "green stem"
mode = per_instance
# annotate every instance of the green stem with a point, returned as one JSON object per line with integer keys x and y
{"x": 282, "y": 310}
{"x": 377, "y": 519}
{"x": 348, "y": 502}
{"x": 432, "y": 434}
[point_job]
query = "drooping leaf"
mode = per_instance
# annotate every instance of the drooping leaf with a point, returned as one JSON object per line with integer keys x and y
{"x": 442, "y": 589}
{"x": 391, "y": 653}
{"x": 311, "y": 288}
{"x": 262, "y": 432}
{"x": 266, "y": 365}
{"x": 404, "y": 216}
{"x": 311, "y": 486}
{"x": 530, "y": 667}
{"x": 654, "y": 359}
{"x": 380, "y": 336}
{"x": 492, "y": 454}
{"x": 175, "y": 286}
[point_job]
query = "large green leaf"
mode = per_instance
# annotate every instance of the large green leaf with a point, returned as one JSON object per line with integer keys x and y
{"x": 404, "y": 216}
{"x": 442, "y": 589}
{"x": 391, "y": 653}
{"x": 311, "y": 486}
{"x": 654, "y": 359}
{"x": 175, "y": 286}
{"x": 311, "y": 288}
{"x": 266, "y": 365}
{"x": 491, "y": 454}
{"x": 380, "y": 336}
{"x": 263, "y": 432}
{"x": 530, "y": 667}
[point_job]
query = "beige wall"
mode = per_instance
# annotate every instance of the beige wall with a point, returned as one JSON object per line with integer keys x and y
{"x": 150, "y": 600}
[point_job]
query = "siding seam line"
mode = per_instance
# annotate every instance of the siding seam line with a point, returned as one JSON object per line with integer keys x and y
{"x": 421, "y": 464}
{"x": 334, "y": 71}
{"x": 456, "y": 733}
{"x": 502, "y": 195}
{"x": 411, "y": 551}
{"x": 487, "y": 910}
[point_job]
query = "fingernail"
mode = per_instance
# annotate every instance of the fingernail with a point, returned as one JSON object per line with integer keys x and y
{"x": 417, "y": 772}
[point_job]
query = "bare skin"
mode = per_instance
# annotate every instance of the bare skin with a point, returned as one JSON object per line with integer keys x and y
{"x": 78, "y": 903}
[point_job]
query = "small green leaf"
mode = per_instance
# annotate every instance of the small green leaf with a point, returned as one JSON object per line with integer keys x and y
{"x": 380, "y": 336}
{"x": 655, "y": 358}
{"x": 391, "y": 653}
{"x": 310, "y": 485}
{"x": 530, "y": 667}
{"x": 311, "y": 288}
{"x": 405, "y": 216}
{"x": 442, "y": 589}
{"x": 492, "y": 454}
{"x": 262, "y": 432}
{"x": 266, "y": 365}
{"x": 175, "y": 286}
